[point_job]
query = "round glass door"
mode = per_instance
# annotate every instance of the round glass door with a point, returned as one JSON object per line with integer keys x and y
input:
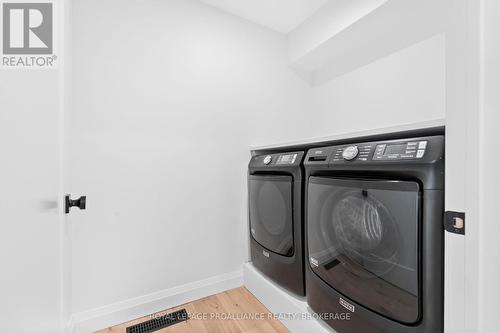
{"x": 363, "y": 242}
{"x": 271, "y": 222}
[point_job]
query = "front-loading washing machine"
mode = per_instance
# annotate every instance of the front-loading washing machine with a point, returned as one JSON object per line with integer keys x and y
{"x": 275, "y": 198}
{"x": 375, "y": 235}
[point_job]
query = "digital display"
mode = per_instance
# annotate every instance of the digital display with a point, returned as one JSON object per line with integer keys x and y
{"x": 287, "y": 159}
{"x": 395, "y": 149}
{"x": 399, "y": 151}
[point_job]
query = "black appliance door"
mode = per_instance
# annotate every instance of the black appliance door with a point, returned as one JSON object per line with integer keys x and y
{"x": 271, "y": 212}
{"x": 363, "y": 240}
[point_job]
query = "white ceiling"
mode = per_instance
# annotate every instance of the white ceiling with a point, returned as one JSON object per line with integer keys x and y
{"x": 280, "y": 15}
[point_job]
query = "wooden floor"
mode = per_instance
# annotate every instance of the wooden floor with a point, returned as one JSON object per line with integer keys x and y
{"x": 232, "y": 311}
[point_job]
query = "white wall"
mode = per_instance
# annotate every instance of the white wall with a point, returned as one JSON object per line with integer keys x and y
{"x": 405, "y": 87}
{"x": 167, "y": 97}
{"x": 489, "y": 226}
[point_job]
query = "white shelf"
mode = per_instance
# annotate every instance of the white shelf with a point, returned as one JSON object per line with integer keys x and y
{"x": 347, "y": 135}
{"x": 293, "y": 310}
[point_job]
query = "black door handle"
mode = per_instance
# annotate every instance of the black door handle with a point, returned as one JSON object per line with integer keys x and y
{"x": 81, "y": 203}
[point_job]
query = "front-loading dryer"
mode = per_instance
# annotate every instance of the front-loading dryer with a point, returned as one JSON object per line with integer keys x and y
{"x": 375, "y": 235}
{"x": 275, "y": 188}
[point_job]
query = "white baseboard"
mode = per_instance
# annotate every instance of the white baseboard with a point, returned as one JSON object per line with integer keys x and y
{"x": 279, "y": 301}
{"x": 117, "y": 313}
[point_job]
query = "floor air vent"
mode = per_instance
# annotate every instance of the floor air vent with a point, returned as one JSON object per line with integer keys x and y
{"x": 159, "y": 323}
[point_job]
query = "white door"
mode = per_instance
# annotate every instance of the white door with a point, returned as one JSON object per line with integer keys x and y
{"x": 29, "y": 195}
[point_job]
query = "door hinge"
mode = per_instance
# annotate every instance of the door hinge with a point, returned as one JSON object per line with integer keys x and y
{"x": 81, "y": 203}
{"x": 454, "y": 222}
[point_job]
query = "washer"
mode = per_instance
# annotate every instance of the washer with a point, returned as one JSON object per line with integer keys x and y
{"x": 375, "y": 235}
{"x": 275, "y": 192}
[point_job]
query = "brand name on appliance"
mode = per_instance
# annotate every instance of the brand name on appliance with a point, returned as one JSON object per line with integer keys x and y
{"x": 346, "y": 304}
{"x": 265, "y": 253}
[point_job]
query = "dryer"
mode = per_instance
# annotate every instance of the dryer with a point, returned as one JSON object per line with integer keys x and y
{"x": 375, "y": 235}
{"x": 275, "y": 197}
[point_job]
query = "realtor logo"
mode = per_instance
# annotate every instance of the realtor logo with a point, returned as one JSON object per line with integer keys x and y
{"x": 28, "y": 34}
{"x": 27, "y": 28}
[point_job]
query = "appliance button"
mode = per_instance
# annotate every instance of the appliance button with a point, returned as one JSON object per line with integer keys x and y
{"x": 420, "y": 153}
{"x": 422, "y": 145}
{"x": 350, "y": 153}
{"x": 268, "y": 159}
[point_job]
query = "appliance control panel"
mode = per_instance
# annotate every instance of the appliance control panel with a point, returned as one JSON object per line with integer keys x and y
{"x": 380, "y": 151}
{"x": 274, "y": 160}
{"x": 418, "y": 149}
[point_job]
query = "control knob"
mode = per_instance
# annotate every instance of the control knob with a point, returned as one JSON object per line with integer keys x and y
{"x": 268, "y": 159}
{"x": 350, "y": 153}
